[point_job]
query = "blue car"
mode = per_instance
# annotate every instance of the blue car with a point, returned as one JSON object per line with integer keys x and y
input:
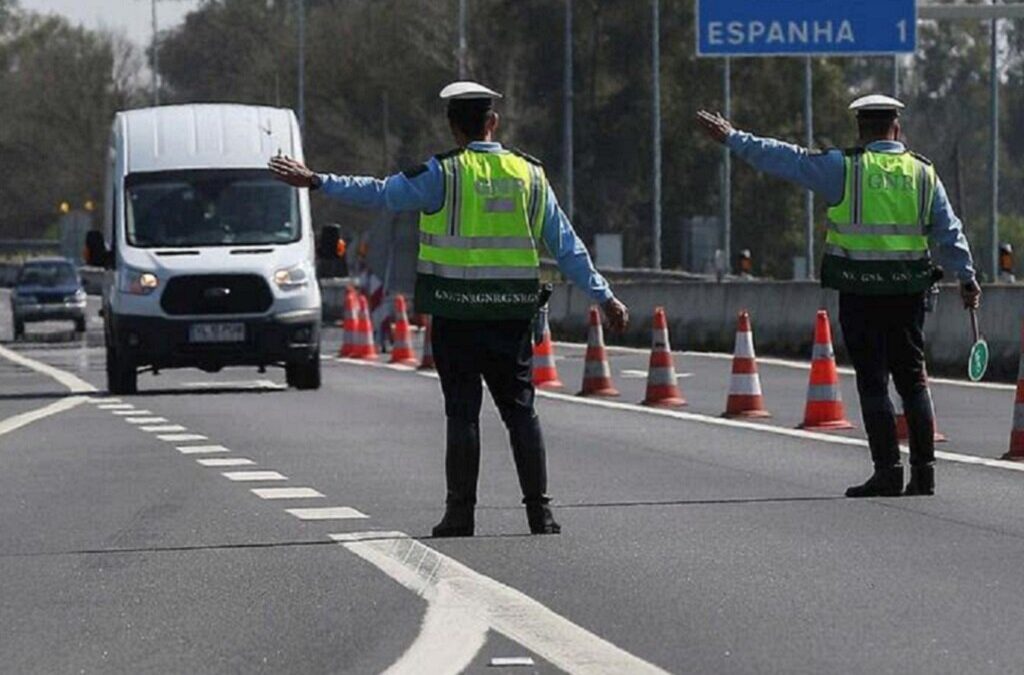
{"x": 48, "y": 289}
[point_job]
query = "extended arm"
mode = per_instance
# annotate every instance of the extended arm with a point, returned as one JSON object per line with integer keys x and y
{"x": 949, "y": 243}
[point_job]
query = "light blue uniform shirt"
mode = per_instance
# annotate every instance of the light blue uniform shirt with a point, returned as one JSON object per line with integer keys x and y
{"x": 825, "y": 174}
{"x": 423, "y": 190}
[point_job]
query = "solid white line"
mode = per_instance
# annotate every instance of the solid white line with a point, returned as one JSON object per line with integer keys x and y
{"x": 253, "y": 475}
{"x": 144, "y": 420}
{"x": 181, "y": 438}
{"x": 116, "y": 406}
{"x": 327, "y": 513}
{"x": 75, "y": 384}
{"x": 225, "y": 461}
{"x": 18, "y": 421}
{"x": 164, "y": 428}
{"x": 125, "y": 413}
{"x": 470, "y": 599}
{"x": 760, "y": 428}
{"x": 287, "y": 493}
{"x": 201, "y": 449}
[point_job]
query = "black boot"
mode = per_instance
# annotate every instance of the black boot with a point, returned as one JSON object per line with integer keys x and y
{"x": 462, "y": 468}
{"x": 922, "y": 481}
{"x": 884, "y": 482}
{"x": 541, "y": 520}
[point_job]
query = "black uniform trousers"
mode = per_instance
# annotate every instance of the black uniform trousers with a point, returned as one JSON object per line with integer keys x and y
{"x": 499, "y": 353}
{"x": 884, "y": 334}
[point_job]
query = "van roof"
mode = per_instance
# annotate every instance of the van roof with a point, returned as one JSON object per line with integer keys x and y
{"x": 206, "y": 136}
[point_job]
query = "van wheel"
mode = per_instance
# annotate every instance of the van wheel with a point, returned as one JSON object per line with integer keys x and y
{"x": 122, "y": 377}
{"x": 304, "y": 375}
{"x": 19, "y": 329}
{"x": 80, "y": 325}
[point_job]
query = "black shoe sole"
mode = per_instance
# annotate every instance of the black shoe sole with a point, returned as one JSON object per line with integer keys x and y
{"x": 445, "y": 534}
{"x": 855, "y": 495}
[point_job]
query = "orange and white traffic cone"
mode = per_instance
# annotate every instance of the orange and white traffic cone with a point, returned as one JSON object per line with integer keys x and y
{"x": 428, "y": 346}
{"x": 1016, "y": 451}
{"x": 545, "y": 374}
{"x": 745, "y": 398}
{"x": 662, "y": 389}
{"x": 903, "y": 431}
{"x": 363, "y": 346}
{"x": 597, "y": 374}
{"x": 401, "y": 346}
{"x": 349, "y": 323}
{"x": 824, "y": 399}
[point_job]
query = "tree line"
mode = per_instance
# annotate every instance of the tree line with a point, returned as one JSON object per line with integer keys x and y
{"x": 374, "y": 67}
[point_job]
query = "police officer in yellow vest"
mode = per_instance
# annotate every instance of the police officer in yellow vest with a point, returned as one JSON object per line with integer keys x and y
{"x": 887, "y": 208}
{"x": 484, "y": 211}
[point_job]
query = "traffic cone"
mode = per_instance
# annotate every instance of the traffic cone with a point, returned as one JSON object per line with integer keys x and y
{"x": 745, "y": 398}
{"x": 1017, "y": 434}
{"x": 662, "y": 390}
{"x": 428, "y": 347}
{"x": 363, "y": 346}
{"x": 824, "y": 400}
{"x": 597, "y": 374}
{"x": 903, "y": 431}
{"x": 401, "y": 347}
{"x": 545, "y": 375}
{"x": 349, "y": 323}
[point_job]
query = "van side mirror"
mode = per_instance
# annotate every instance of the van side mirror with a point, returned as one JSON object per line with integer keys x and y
{"x": 96, "y": 253}
{"x": 331, "y": 244}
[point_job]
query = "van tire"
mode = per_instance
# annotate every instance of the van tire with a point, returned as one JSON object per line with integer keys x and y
{"x": 19, "y": 329}
{"x": 122, "y": 378}
{"x": 80, "y": 325}
{"x": 304, "y": 376}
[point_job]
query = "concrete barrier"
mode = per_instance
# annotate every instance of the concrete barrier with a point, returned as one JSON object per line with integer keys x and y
{"x": 702, "y": 316}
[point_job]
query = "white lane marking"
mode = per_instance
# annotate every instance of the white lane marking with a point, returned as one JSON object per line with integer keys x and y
{"x": 125, "y": 413}
{"x": 633, "y": 374}
{"x": 762, "y": 428}
{"x": 508, "y": 661}
{"x": 235, "y": 384}
{"x": 116, "y": 406}
{"x": 253, "y": 475}
{"x": 225, "y": 461}
{"x": 327, "y": 513}
{"x": 144, "y": 420}
{"x": 164, "y": 428}
{"x": 475, "y": 599}
{"x": 794, "y": 364}
{"x": 18, "y": 421}
{"x": 75, "y": 384}
{"x": 106, "y": 400}
{"x": 181, "y": 438}
{"x": 201, "y": 449}
{"x": 286, "y": 493}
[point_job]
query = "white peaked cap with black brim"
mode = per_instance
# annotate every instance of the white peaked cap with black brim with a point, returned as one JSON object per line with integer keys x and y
{"x": 876, "y": 103}
{"x": 457, "y": 91}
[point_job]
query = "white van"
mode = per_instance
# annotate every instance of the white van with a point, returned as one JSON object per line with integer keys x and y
{"x": 210, "y": 261}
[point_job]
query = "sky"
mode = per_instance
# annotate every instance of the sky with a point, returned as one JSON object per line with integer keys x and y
{"x": 132, "y": 17}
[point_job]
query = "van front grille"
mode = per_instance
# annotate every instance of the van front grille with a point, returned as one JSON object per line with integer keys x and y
{"x": 216, "y": 294}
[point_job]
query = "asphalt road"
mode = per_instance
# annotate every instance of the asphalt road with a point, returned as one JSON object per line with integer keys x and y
{"x": 689, "y": 545}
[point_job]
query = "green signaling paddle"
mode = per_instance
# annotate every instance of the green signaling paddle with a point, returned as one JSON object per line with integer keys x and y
{"x": 978, "y": 362}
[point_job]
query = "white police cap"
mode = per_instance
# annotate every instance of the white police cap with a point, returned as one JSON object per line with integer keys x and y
{"x": 467, "y": 90}
{"x": 876, "y": 102}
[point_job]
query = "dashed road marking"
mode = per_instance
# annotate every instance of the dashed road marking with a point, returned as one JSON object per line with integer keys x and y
{"x": 201, "y": 449}
{"x": 225, "y": 461}
{"x": 116, "y": 406}
{"x": 164, "y": 428}
{"x": 287, "y": 493}
{"x": 327, "y": 513}
{"x": 253, "y": 475}
{"x": 105, "y": 400}
{"x": 144, "y": 420}
{"x": 125, "y": 413}
{"x": 469, "y": 602}
{"x": 181, "y": 438}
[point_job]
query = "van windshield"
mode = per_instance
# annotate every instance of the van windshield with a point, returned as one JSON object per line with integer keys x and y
{"x": 203, "y": 207}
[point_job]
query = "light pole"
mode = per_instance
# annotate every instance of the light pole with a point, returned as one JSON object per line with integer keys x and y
{"x": 809, "y": 196}
{"x": 994, "y": 163}
{"x": 727, "y": 166}
{"x": 154, "y": 56}
{"x": 462, "y": 40}
{"x": 656, "y": 105}
{"x": 567, "y": 149}
{"x": 301, "y": 65}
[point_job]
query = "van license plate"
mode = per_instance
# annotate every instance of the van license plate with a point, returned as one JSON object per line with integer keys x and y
{"x": 216, "y": 332}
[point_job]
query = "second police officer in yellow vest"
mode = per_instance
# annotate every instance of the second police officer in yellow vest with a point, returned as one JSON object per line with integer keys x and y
{"x": 887, "y": 209}
{"x": 484, "y": 211}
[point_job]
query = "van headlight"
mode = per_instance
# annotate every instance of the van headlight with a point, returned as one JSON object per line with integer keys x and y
{"x": 291, "y": 278}
{"x": 136, "y": 282}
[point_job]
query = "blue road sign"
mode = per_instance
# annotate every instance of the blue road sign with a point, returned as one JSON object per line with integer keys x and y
{"x": 805, "y": 27}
